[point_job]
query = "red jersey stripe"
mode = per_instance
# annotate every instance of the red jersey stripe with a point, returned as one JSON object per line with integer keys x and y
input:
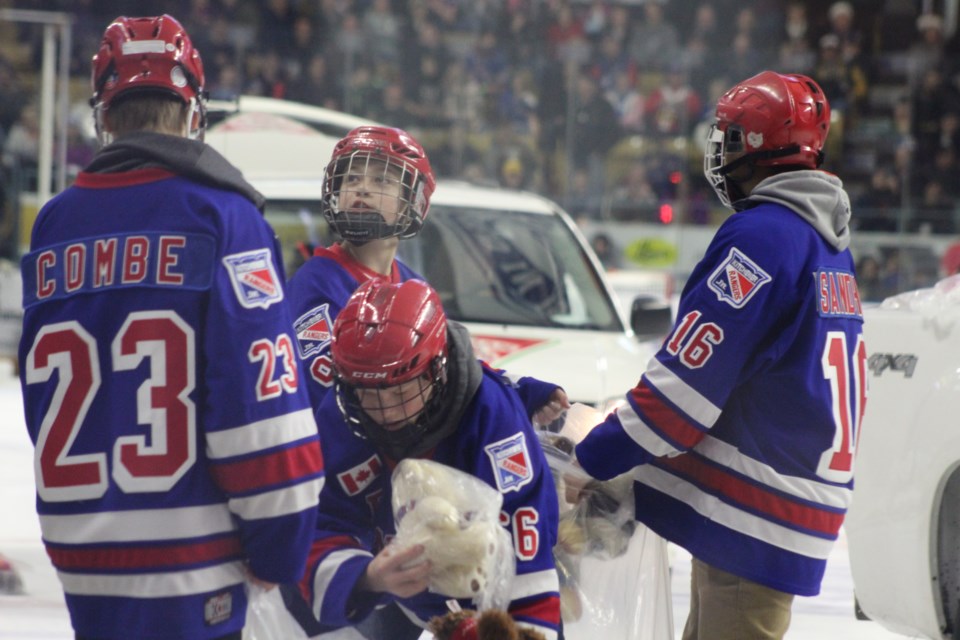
{"x": 122, "y": 179}
{"x": 753, "y": 497}
{"x": 145, "y": 557}
{"x": 546, "y": 609}
{"x": 654, "y": 412}
{"x": 267, "y": 470}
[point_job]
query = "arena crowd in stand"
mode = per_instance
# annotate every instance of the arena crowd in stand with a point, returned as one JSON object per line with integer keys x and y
{"x": 598, "y": 104}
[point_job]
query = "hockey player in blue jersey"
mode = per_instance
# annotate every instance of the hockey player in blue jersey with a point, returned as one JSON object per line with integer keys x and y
{"x": 376, "y": 192}
{"x": 408, "y": 385}
{"x": 741, "y": 432}
{"x": 176, "y": 453}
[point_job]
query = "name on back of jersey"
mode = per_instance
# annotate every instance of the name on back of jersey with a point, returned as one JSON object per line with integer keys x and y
{"x": 152, "y": 259}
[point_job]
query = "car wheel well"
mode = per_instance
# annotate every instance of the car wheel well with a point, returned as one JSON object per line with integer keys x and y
{"x": 948, "y": 552}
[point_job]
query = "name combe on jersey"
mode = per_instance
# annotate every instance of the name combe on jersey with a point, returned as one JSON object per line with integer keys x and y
{"x": 149, "y": 259}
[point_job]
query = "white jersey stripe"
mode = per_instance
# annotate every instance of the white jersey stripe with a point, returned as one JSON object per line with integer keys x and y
{"x": 327, "y": 570}
{"x": 713, "y": 508}
{"x": 681, "y": 394}
{"x": 264, "y": 434}
{"x": 137, "y": 525}
{"x": 728, "y": 456}
{"x": 640, "y": 433}
{"x": 279, "y": 502}
{"x": 154, "y": 585}
{"x": 531, "y": 584}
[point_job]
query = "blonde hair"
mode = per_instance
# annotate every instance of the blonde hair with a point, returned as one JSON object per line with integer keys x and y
{"x": 147, "y": 112}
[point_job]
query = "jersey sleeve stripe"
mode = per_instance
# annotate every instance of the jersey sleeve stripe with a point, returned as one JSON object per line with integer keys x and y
{"x": 280, "y": 502}
{"x": 648, "y": 412}
{"x": 683, "y": 396}
{"x": 154, "y": 585}
{"x": 142, "y": 557}
{"x": 278, "y": 467}
{"x": 318, "y": 549}
{"x": 753, "y": 498}
{"x": 323, "y": 579}
{"x": 749, "y": 524}
{"x": 533, "y": 584}
{"x": 137, "y": 525}
{"x": 261, "y": 435}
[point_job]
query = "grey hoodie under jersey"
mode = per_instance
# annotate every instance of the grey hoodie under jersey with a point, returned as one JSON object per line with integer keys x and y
{"x": 816, "y": 196}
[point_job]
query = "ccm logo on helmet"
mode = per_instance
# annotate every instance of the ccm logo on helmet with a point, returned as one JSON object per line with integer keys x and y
{"x": 368, "y": 375}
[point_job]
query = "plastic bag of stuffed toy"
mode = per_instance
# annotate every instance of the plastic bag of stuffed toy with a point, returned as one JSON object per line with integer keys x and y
{"x": 268, "y": 618}
{"x": 455, "y": 516}
{"x": 614, "y": 572}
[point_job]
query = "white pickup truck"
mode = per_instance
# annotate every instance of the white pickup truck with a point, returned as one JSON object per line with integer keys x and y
{"x": 904, "y": 524}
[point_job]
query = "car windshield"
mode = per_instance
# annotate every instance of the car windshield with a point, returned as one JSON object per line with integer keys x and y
{"x": 511, "y": 268}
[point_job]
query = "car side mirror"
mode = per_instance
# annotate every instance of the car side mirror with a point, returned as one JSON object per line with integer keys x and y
{"x": 650, "y": 316}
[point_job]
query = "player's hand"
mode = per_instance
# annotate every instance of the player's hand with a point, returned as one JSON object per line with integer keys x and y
{"x": 404, "y": 573}
{"x": 553, "y": 409}
{"x": 254, "y": 580}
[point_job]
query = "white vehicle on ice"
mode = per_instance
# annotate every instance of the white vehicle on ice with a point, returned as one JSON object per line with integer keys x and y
{"x": 904, "y": 524}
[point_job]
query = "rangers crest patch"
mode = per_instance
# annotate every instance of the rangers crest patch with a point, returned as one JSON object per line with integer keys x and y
{"x": 737, "y": 279}
{"x": 511, "y": 462}
{"x": 313, "y": 330}
{"x": 254, "y": 278}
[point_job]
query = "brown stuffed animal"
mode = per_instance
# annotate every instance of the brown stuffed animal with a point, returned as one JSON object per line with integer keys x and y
{"x": 492, "y": 624}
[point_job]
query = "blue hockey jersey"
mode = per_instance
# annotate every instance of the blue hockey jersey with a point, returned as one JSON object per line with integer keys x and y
{"x": 321, "y": 288}
{"x": 356, "y": 517}
{"x": 175, "y": 447}
{"x": 744, "y": 424}
{"x": 318, "y": 291}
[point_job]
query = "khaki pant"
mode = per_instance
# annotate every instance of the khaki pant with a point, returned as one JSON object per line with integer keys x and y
{"x": 726, "y": 607}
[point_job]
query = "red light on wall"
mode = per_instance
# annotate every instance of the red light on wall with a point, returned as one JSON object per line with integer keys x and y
{"x": 666, "y": 213}
{"x": 675, "y": 177}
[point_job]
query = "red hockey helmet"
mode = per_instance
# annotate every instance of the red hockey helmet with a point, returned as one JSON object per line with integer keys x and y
{"x": 377, "y": 185}
{"x": 148, "y": 54}
{"x": 389, "y": 351}
{"x": 776, "y": 119}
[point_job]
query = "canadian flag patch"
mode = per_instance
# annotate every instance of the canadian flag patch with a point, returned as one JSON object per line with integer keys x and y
{"x": 737, "y": 279}
{"x": 359, "y": 477}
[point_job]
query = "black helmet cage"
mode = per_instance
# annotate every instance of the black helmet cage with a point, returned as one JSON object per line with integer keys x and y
{"x": 382, "y": 177}
{"x": 412, "y": 438}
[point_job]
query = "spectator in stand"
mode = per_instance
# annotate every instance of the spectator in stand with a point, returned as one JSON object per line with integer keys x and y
{"x": 382, "y": 30}
{"x": 266, "y": 75}
{"x": 634, "y": 198}
{"x": 655, "y": 43}
{"x": 674, "y": 106}
{"x": 849, "y": 38}
{"x": 879, "y": 206}
{"x": 796, "y": 53}
{"x": 628, "y": 102}
{"x": 843, "y": 82}
{"x": 930, "y": 100}
{"x": 318, "y": 86}
{"x": 869, "y": 283}
{"x": 392, "y": 107}
{"x": 275, "y": 25}
{"x": 227, "y": 85}
{"x": 303, "y": 47}
{"x": 929, "y": 52}
{"x": 595, "y": 131}
{"x": 936, "y": 211}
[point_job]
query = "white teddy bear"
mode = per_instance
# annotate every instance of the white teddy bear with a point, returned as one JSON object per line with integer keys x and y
{"x": 455, "y": 516}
